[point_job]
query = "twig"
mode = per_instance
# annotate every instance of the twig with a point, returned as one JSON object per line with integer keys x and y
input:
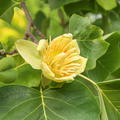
{"x": 30, "y": 35}
{"x": 30, "y": 21}
{"x": 2, "y": 53}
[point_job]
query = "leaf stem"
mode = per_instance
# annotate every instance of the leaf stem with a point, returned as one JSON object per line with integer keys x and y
{"x": 2, "y": 53}
{"x": 88, "y": 79}
{"x": 43, "y": 103}
{"x": 103, "y": 111}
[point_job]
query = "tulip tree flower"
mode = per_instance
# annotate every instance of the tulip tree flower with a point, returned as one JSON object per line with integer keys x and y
{"x": 58, "y": 59}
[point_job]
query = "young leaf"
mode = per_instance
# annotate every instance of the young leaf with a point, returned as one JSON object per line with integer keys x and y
{"x": 107, "y": 4}
{"x": 89, "y": 38}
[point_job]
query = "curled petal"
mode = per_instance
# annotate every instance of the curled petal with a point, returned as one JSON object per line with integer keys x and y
{"x": 47, "y": 72}
{"x": 64, "y": 79}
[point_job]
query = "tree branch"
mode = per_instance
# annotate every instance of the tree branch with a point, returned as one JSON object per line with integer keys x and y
{"x": 2, "y": 53}
{"x": 30, "y": 21}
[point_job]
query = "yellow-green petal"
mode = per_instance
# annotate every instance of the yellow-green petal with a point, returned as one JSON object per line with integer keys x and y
{"x": 83, "y": 62}
{"x": 47, "y": 72}
{"x": 42, "y": 46}
{"x": 64, "y": 79}
{"x": 28, "y": 50}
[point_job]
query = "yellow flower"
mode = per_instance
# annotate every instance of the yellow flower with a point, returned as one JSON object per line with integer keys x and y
{"x": 59, "y": 60}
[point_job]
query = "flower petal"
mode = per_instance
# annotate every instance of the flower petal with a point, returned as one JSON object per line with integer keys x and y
{"x": 28, "y": 50}
{"x": 42, "y": 46}
{"x": 57, "y": 45}
{"x": 47, "y": 72}
{"x": 72, "y": 44}
{"x": 63, "y": 79}
{"x": 82, "y": 62}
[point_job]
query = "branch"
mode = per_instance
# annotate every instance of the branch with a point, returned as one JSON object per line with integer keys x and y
{"x": 2, "y": 53}
{"x": 30, "y": 21}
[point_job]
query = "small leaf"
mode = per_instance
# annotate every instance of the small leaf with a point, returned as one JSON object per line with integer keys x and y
{"x": 6, "y": 63}
{"x": 107, "y": 4}
{"x": 8, "y": 76}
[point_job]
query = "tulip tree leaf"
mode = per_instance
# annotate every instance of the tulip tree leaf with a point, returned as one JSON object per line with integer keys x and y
{"x": 89, "y": 38}
{"x": 107, "y": 4}
{"x": 110, "y": 61}
{"x": 109, "y": 99}
{"x": 71, "y": 102}
{"x": 111, "y": 89}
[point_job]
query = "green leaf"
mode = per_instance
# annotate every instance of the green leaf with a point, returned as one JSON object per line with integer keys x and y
{"x": 59, "y": 3}
{"x": 72, "y": 102}
{"x": 6, "y": 11}
{"x": 7, "y": 73}
{"x": 41, "y": 21}
{"x": 27, "y": 76}
{"x": 107, "y": 4}
{"x": 111, "y": 89}
{"x": 8, "y": 14}
{"x": 6, "y": 63}
{"x": 89, "y": 38}
{"x": 79, "y": 6}
{"x": 8, "y": 76}
{"x": 110, "y": 61}
{"x": 14, "y": 71}
{"x": 108, "y": 100}
{"x": 116, "y": 74}
{"x": 113, "y": 20}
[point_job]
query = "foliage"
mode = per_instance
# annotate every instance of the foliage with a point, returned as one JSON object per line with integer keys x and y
{"x": 94, "y": 94}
